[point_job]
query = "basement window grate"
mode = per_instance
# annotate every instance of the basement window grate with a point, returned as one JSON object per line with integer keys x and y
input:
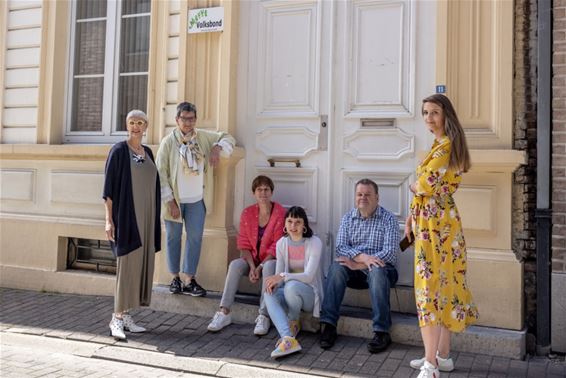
{"x": 89, "y": 254}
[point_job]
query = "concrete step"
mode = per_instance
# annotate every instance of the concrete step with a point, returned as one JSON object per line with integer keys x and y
{"x": 353, "y": 322}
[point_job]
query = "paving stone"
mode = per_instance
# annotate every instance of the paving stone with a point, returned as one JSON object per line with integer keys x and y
{"x": 338, "y": 364}
{"x": 536, "y": 371}
{"x": 403, "y": 372}
{"x": 291, "y": 363}
{"x": 556, "y": 369}
{"x": 390, "y": 364}
{"x": 518, "y": 364}
{"x": 306, "y": 360}
{"x": 481, "y": 365}
{"x": 355, "y": 363}
{"x": 370, "y": 368}
{"x": 397, "y": 352}
{"x": 457, "y": 374}
{"x": 86, "y": 318}
{"x": 499, "y": 365}
{"x": 320, "y": 363}
{"x": 517, "y": 372}
{"x": 378, "y": 357}
{"x": 478, "y": 374}
{"x": 464, "y": 361}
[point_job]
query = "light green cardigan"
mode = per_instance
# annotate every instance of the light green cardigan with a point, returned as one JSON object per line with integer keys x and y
{"x": 168, "y": 160}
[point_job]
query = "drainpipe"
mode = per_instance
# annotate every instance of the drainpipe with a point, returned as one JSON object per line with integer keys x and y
{"x": 543, "y": 211}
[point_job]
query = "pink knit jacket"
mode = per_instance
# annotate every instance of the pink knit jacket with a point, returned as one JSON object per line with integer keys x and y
{"x": 249, "y": 223}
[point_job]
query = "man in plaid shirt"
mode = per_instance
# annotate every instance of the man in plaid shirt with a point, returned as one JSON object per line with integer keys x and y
{"x": 366, "y": 246}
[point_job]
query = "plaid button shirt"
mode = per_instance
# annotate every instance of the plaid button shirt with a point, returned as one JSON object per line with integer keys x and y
{"x": 377, "y": 235}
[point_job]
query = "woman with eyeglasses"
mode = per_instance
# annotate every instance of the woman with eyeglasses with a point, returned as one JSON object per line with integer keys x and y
{"x": 185, "y": 161}
{"x": 132, "y": 200}
{"x": 261, "y": 226}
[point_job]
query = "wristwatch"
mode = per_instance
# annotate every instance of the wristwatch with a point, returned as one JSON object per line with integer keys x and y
{"x": 283, "y": 274}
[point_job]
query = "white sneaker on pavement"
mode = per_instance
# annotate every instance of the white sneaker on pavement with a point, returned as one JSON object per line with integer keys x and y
{"x": 262, "y": 324}
{"x": 428, "y": 370}
{"x": 219, "y": 321}
{"x": 444, "y": 364}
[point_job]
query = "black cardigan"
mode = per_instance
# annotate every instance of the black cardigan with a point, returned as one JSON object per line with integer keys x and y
{"x": 118, "y": 187}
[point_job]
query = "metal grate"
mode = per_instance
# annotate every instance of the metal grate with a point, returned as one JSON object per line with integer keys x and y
{"x": 88, "y": 254}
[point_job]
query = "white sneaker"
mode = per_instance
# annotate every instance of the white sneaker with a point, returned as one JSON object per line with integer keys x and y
{"x": 219, "y": 321}
{"x": 444, "y": 364}
{"x": 262, "y": 324}
{"x": 428, "y": 371}
{"x": 130, "y": 325}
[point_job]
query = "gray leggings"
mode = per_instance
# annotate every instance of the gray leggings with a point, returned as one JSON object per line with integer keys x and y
{"x": 236, "y": 270}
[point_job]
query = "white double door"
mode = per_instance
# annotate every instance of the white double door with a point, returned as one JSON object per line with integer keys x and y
{"x": 329, "y": 93}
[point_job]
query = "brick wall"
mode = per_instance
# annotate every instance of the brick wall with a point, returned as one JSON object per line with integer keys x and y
{"x": 524, "y": 185}
{"x": 559, "y": 137}
{"x": 525, "y": 113}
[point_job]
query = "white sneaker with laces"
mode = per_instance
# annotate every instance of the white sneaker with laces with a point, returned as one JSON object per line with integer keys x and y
{"x": 428, "y": 370}
{"x": 130, "y": 325}
{"x": 219, "y": 321}
{"x": 444, "y": 364}
{"x": 262, "y": 324}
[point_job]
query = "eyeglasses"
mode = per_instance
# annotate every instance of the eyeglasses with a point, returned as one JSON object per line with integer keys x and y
{"x": 188, "y": 119}
{"x": 139, "y": 123}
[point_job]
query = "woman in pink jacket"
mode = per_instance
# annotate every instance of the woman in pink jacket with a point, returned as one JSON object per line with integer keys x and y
{"x": 261, "y": 226}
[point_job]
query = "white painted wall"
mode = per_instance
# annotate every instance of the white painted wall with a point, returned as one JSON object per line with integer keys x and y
{"x": 173, "y": 33}
{"x": 21, "y": 71}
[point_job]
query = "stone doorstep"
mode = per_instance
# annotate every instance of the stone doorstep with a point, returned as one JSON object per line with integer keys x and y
{"x": 354, "y": 322}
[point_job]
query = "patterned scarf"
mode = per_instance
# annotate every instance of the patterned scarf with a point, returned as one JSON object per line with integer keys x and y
{"x": 191, "y": 155}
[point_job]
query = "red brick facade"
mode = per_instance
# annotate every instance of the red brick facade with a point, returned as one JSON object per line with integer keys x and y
{"x": 559, "y": 137}
{"x": 524, "y": 132}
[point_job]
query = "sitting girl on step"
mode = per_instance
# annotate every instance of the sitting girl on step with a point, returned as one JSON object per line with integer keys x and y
{"x": 297, "y": 283}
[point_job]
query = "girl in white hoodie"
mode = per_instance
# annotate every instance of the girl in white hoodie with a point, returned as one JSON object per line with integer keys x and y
{"x": 297, "y": 283}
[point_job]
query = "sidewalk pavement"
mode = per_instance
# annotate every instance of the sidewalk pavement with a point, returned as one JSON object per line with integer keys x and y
{"x": 176, "y": 344}
{"x": 30, "y": 356}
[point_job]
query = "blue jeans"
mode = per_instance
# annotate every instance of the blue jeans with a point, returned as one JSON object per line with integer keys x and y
{"x": 286, "y": 303}
{"x": 378, "y": 280}
{"x": 193, "y": 215}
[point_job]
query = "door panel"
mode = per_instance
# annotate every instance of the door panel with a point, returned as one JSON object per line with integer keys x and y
{"x": 374, "y": 119}
{"x": 287, "y": 100}
{"x": 331, "y": 86}
{"x": 378, "y": 44}
{"x": 288, "y": 53}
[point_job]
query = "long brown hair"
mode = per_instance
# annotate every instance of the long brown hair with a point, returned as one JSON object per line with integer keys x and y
{"x": 459, "y": 154}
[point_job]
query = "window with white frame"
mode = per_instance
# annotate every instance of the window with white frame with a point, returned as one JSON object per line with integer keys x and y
{"x": 108, "y": 67}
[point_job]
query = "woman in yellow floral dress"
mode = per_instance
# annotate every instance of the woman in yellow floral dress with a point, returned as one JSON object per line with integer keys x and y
{"x": 444, "y": 302}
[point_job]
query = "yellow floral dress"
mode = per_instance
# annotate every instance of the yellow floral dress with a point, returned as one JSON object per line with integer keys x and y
{"x": 441, "y": 292}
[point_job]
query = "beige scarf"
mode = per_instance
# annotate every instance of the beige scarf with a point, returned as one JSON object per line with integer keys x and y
{"x": 191, "y": 155}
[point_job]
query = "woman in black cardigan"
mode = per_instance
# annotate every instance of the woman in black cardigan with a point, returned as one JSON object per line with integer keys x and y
{"x": 133, "y": 205}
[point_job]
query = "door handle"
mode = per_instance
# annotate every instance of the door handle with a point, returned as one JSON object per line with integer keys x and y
{"x": 323, "y": 133}
{"x": 272, "y": 161}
